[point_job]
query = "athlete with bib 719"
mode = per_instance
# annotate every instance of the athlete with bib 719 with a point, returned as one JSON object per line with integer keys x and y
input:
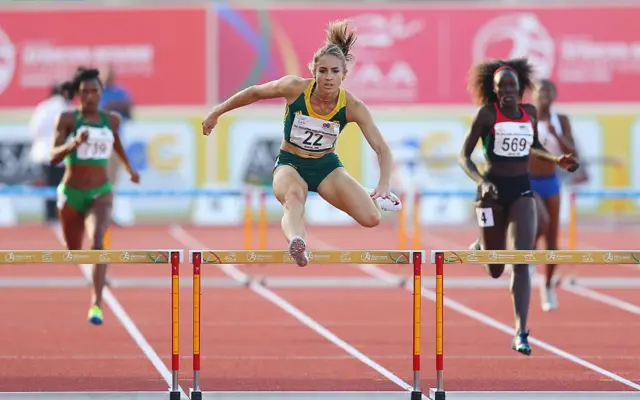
{"x": 316, "y": 111}
{"x": 85, "y": 139}
{"x": 504, "y": 203}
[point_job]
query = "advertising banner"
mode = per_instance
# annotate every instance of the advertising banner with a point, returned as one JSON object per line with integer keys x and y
{"x": 163, "y": 153}
{"x": 393, "y": 51}
{"x": 425, "y": 153}
{"x": 589, "y": 62}
{"x": 158, "y": 53}
{"x": 414, "y": 54}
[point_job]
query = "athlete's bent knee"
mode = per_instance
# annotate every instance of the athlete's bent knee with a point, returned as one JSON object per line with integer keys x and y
{"x": 293, "y": 197}
{"x": 371, "y": 219}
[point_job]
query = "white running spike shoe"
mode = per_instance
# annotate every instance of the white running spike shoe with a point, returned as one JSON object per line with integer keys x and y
{"x": 548, "y": 297}
{"x": 389, "y": 203}
{"x": 298, "y": 250}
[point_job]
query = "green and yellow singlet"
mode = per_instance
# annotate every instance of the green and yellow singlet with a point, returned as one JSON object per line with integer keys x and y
{"x": 98, "y": 148}
{"x": 314, "y": 135}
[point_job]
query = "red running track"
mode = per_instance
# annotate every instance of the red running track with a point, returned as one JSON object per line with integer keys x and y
{"x": 249, "y": 343}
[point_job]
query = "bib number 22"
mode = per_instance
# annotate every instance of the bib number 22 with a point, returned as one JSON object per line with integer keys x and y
{"x": 313, "y": 139}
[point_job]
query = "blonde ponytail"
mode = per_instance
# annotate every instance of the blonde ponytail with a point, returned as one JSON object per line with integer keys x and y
{"x": 339, "y": 42}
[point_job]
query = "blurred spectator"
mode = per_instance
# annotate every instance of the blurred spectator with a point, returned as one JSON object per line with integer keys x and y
{"x": 41, "y": 130}
{"x": 115, "y": 98}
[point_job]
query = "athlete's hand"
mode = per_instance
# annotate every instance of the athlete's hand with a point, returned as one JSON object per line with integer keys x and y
{"x": 568, "y": 162}
{"x": 488, "y": 191}
{"x": 135, "y": 178}
{"x": 82, "y": 137}
{"x": 209, "y": 123}
{"x": 380, "y": 191}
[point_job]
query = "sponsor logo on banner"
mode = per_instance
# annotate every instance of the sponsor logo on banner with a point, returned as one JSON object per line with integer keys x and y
{"x": 422, "y": 55}
{"x": 392, "y": 51}
{"x": 163, "y": 153}
{"x": 42, "y": 47}
{"x": 385, "y": 71}
{"x": 588, "y": 63}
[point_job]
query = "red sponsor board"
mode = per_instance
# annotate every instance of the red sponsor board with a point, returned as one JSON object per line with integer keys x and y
{"x": 158, "y": 54}
{"x": 414, "y": 54}
{"x": 393, "y": 62}
{"x": 592, "y": 54}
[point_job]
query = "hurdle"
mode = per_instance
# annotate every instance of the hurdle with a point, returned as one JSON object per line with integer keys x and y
{"x": 442, "y": 257}
{"x": 173, "y": 257}
{"x": 244, "y": 257}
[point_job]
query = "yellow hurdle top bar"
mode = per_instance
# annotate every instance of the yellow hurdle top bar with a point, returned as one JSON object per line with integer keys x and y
{"x": 88, "y": 256}
{"x": 316, "y": 257}
{"x": 538, "y": 256}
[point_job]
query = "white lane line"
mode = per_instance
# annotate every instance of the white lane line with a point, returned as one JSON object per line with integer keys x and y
{"x": 128, "y": 324}
{"x": 487, "y": 320}
{"x": 189, "y": 240}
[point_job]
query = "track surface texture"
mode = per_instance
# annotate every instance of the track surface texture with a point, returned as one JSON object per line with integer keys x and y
{"x": 297, "y": 337}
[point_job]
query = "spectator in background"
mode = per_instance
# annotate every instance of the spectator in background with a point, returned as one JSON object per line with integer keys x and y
{"x": 115, "y": 98}
{"x": 41, "y": 130}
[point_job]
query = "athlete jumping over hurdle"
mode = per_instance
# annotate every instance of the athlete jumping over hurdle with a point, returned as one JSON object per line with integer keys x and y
{"x": 317, "y": 110}
{"x": 85, "y": 139}
{"x": 504, "y": 201}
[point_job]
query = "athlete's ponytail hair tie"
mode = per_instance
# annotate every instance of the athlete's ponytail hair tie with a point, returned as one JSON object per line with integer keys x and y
{"x": 505, "y": 67}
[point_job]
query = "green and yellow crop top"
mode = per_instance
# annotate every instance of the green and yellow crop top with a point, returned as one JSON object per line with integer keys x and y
{"x": 98, "y": 148}
{"x": 313, "y": 133}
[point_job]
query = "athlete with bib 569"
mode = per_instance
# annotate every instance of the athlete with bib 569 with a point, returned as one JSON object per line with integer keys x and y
{"x": 317, "y": 110}
{"x": 504, "y": 203}
{"x": 85, "y": 138}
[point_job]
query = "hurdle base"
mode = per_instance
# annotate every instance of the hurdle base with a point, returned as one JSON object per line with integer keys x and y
{"x": 174, "y": 395}
{"x": 416, "y": 395}
{"x": 435, "y": 394}
{"x": 195, "y": 394}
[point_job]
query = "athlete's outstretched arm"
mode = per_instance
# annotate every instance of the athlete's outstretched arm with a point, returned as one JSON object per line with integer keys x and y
{"x": 119, "y": 148}
{"x": 359, "y": 113}
{"x": 537, "y": 149}
{"x": 61, "y": 148}
{"x": 480, "y": 124}
{"x": 285, "y": 87}
{"x": 288, "y": 87}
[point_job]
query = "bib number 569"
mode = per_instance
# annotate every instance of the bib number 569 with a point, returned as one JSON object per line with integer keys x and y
{"x": 514, "y": 144}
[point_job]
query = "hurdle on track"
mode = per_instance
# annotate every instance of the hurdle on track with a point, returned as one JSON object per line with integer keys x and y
{"x": 173, "y": 257}
{"x": 240, "y": 257}
{"x": 442, "y": 257}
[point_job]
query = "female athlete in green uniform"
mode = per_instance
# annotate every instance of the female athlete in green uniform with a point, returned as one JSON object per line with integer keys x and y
{"x": 85, "y": 139}
{"x": 317, "y": 110}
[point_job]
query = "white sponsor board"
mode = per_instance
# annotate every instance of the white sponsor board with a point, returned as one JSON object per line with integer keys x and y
{"x": 424, "y": 154}
{"x": 163, "y": 153}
